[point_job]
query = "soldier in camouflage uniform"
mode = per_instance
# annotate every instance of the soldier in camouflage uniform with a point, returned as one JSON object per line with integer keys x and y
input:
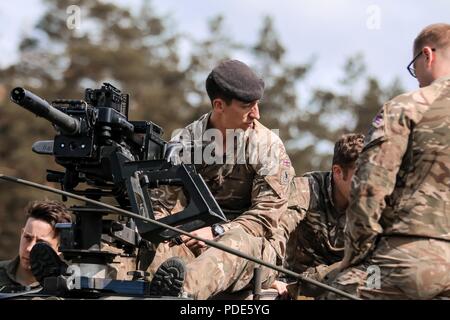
{"x": 316, "y": 242}
{"x": 249, "y": 179}
{"x": 397, "y": 237}
{"x": 42, "y": 216}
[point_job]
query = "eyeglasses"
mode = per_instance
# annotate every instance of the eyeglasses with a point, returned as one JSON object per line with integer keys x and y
{"x": 411, "y": 68}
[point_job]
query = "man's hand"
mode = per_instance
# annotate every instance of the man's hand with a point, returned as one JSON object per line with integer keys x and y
{"x": 324, "y": 272}
{"x": 194, "y": 244}
{"x": 280, "y": 286}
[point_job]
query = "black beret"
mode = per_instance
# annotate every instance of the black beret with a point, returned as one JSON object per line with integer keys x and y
{"x": 238, "y": 80}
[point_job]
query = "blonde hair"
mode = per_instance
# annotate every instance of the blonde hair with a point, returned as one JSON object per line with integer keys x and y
{"x": 435, "y": 35}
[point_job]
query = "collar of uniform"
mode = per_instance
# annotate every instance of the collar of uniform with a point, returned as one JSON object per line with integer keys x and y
{"x": 196, "y": 130}
{"x": 441, "y": 79}
{"x": 205, "y": 121}
{"x": 11, "y": 269}
{"x": 329, "y": 184}
{"x": 257, "y": 126}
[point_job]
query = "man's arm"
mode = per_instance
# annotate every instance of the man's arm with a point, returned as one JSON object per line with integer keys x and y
{"x": 375, "y": 178}
{"x": 298, "y": 205}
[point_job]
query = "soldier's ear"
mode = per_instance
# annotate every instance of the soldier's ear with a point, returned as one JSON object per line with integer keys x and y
{"x": 429, "y": 55}
{"x": 218, "y": 105}
{"x": 337, "y": 171}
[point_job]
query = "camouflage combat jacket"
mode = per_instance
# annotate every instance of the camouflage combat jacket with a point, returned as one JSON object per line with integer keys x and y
{"x": 317, "y": 237}
{"x": 8, "y": 273}
{"x": 252, "y": 191}
{"x": 401, "y": 185}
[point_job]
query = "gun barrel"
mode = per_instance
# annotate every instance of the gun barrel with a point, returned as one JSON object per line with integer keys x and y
{"x": 42, "y": 108}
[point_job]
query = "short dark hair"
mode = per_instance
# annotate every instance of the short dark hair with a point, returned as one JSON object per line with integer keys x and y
{"x": 216, "y": 92}
{"x": 50, "y": 211}
{"x": 347, "y": 150}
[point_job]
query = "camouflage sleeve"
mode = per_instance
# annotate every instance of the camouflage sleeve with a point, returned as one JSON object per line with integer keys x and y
{"x": 270, "y": 192}
{"x": 298, "y": 204}
{"x": 167, "y": 200}
{"x": 375, "y": 178}
{"x": 322, "y": 271}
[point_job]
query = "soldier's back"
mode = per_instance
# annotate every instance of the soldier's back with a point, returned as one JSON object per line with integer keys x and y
{"x": 420, "y": 203}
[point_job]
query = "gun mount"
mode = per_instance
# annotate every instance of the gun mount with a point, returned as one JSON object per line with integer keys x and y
{"x": 107, "y": 156}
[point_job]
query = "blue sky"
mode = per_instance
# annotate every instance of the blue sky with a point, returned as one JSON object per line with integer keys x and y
{"x": 330, "y": 30}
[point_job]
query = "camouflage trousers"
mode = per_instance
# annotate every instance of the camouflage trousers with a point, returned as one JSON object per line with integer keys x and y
{"x": 216, "y": 271}
{"x": 120, "y": 267}
{"x": 400, "y": 268}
